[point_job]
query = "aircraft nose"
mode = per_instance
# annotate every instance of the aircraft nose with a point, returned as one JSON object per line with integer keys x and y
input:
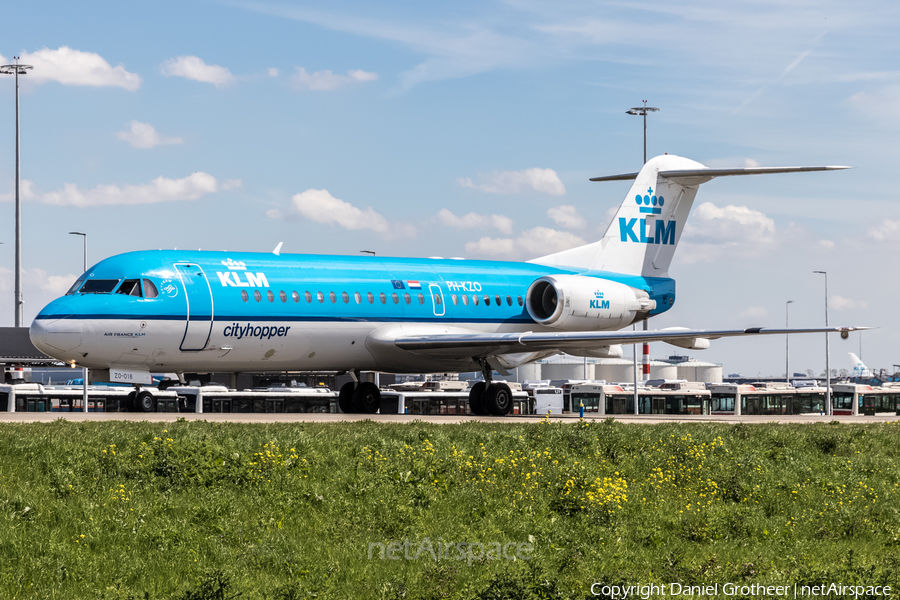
{"x": 54, "y": 332}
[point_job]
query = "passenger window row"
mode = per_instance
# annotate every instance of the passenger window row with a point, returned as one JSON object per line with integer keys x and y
{"x": 370, "y": 298}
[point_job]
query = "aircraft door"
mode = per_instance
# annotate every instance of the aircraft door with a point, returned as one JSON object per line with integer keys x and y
{"x": 437, "y": 300}
{"x": 199, "y": 314}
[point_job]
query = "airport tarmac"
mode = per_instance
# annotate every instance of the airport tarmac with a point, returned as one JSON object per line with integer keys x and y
{"x": 45, "y": 417}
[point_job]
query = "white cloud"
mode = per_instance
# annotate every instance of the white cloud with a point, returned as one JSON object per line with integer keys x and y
{"x": 26, "y": 191}
{"x": 514, "y": 182}
{"x": 272, "y": 72}
{"x": 501, "y": 223}
{"x": 755, "y": 312}
{"x": 534, "y": 242}
{"x": 826, "y": 244}
{"x": 877, "y": 104}
{"x": 327, "y": 81}
{"x": 74, "y": 67}
{"x": 567, "y": 215}
{"x": 192, "y": 67}
{"x": 737, "y": 229}
{"x": 320, "y": 206}
{"x": 143, "y": 135}
{"x": 160, "y": 189}
{"x": 840, "y": 303}
{"x": 886, "y": 231}
{"x": 231, "y": 184}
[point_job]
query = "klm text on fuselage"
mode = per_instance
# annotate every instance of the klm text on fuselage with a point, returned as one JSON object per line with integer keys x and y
{"x": 664, "y": 234}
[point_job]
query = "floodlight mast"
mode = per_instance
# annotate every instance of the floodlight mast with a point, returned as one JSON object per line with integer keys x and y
{"x": 642, "y": 111}
{"x": 17, "y": 69}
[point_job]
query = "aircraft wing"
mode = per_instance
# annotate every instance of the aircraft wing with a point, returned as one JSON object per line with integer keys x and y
{"x": 492, "y": 344}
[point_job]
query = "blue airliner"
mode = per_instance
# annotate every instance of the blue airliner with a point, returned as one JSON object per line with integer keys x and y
{"x": 182, "y": 311}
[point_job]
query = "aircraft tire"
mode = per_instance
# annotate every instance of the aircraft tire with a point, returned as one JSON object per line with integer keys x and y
{"x": 497, "y": 399}
{"x": 130, "y": 403}
{"x": 476, "y": 394}
{"x": 145, "y": 402}
{"x": 345, "y": 398}
{"x": 366, "y": 398}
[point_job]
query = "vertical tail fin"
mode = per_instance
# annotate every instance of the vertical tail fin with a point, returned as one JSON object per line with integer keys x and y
{"x": 642, "y": 237}
{"x": 858, "y": 369}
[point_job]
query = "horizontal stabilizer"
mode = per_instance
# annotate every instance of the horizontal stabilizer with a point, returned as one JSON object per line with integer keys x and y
{"x": 698, "y": 176}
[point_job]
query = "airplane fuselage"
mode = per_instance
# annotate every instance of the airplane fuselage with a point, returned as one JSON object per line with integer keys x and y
{"x": 193, "y": 311}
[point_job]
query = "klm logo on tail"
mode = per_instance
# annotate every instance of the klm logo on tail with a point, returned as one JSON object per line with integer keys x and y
{"x": 664, "y": 234}
{"x": 664, "y": 231}
{"x": 645, "y": 202}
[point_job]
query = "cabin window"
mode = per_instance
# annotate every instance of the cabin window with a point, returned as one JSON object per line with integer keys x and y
{"x": 465, "y": 300}
{"x": 520, "y": 300}
{"x": 358, "y": 297}
{"x": 130, "y": 287}
{"x": 295, "y": 296}
{"x": 421, "y": 299}
{"x": 76, "y": 285}
{"x": 244, "y": 295}
{"x": 320, "y": 297}
{"x": 270, "y": 295}
{"x": 455, "y": 299}
{"x": 308, "y": 296}
{"x": 509, "y": 300}
{"x": 150, "y": 290}
{"x": 333, "y": 297}
{"x": 475, "y": 300}
{"x": 257, "y": 296}
{"x": 282, "y": 295}
{"x": 395, "y": 298}
{"x": 98, "y": 286}
{"x": 407, "y": 298}
{"x": 437, "y": 300}
{"x": 487, "y": 300}
{"x": 345, "y": 297}
{"x": 382, "y": 297}
{"x": 370, "y": 298}
{"x": 498, "y": 300}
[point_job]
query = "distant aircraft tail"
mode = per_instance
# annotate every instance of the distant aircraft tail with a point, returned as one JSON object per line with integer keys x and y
{"x": 642, "y": 237}
{"x": 858, "y": 368}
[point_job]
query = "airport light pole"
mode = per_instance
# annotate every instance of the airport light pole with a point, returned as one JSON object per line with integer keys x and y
{"x": 17, "y": 69}
{"x": 645, "y": 359}
{"x": 787, "y": 352}
{"x": 642, "y": 111}
{"x": 84, "y": 371}
{"x": 83, "y": 235}
{"x": 828, "y": 407}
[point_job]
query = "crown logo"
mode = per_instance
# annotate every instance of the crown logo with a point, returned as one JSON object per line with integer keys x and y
{"x": 650, "y": 204}
{"x": 598, "y": 295}
{"x": 234, "y": 265}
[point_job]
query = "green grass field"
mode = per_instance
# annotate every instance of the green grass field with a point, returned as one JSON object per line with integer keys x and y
{"x": 201, "y": 510}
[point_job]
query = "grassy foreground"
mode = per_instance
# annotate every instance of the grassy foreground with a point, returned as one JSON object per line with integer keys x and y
{"x": 195, "y": 510}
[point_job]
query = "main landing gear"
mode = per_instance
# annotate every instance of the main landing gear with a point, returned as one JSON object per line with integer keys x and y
{"x": 359, "y": 397}
{"x": 488, "y": 398}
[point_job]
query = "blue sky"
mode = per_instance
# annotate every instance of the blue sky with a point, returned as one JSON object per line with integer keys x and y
{"x": 469, "y": 129}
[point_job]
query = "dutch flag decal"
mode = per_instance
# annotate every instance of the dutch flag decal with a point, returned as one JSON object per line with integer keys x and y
{"x": 413, "y": 285}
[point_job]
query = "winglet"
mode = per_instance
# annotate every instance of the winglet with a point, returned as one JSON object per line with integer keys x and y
{"x": 277, "y": 250}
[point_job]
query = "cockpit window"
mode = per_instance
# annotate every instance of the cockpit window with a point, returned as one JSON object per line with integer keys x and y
{"x": 150, "y": 290}
{"x": 98, "y": 286}
{"x": 130, "y": 287}
{"x": 75, "y": 285}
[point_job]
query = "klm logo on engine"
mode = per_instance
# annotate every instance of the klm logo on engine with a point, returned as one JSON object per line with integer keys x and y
{"x": 599, "y": 302}
{"x": 663, "y": 234}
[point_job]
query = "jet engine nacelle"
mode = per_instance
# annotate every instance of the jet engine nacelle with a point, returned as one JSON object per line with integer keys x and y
{"x": 578, "y": 303}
